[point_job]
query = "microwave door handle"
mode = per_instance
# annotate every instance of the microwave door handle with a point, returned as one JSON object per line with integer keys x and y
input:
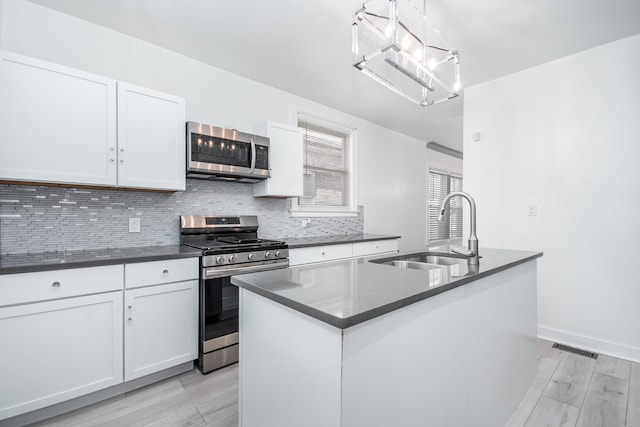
{"x": 253, "y": 155}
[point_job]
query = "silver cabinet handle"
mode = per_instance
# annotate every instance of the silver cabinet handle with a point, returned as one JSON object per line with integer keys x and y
{"x": 322, "y": 252}
{"x": 112, "y": 155}
{"x": 55, "y": 284}
{"x": 121, "y": 155}
{"x": 165, "y": 272}
{"x": 130, "y": 308}
{"x": 253, "y": 155}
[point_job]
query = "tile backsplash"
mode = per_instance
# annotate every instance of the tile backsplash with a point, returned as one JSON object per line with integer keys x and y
{"x": 42, "y": 218}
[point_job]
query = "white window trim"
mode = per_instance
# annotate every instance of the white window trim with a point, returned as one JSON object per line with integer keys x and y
{"x": 351, "y": 209}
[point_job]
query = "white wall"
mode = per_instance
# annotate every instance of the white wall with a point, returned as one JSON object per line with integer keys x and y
{"x": 391, "y": 165}
{"x": 566, "y": 135}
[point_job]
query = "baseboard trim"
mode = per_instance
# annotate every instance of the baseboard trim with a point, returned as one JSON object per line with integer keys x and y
{"x": 609, "y": 348}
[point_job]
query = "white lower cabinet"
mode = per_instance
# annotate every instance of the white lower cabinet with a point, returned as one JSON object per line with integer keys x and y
{"x": 314, "y": 254}
{"x": 56, "y": 350}
{"x": 67, "y": 333}
{"x": 375, "y": 247}
{"x": 161, "y": 327}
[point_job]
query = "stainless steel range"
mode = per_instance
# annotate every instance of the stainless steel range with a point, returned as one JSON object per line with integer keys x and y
{"x": 230, "y": 245}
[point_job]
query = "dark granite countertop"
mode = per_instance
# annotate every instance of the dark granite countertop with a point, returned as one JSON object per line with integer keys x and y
{"x": 303, "y": 242}
{"x": 348, "y": 292}
{"x": 25, "y": 263}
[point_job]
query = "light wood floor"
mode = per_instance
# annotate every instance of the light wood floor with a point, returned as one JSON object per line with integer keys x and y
{"x": 569, "y": 390}
{"x": 572, "y": 390}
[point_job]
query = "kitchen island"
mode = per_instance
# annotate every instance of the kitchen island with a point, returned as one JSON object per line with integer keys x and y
{"x": 355, "y": 342}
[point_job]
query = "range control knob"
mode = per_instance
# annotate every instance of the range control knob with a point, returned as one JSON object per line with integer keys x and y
{"x": 220, "y": 260}
{"x": 267, "y": 255}
{"x": 277, "y": 254}
{"x": 251, "y": 256}
{"x": 233, "y": 259}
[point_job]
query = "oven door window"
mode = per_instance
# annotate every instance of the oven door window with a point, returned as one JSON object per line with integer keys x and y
{"x": 211, "y": 149}
{"x": 221, "y": 302}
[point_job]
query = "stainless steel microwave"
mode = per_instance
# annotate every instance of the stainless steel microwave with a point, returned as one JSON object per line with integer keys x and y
{"x": 226, "y": 154}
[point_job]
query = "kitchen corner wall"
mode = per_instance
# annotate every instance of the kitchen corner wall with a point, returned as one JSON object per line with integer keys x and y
{"x": 391, "y": 182}
{"x": 39, "y": 218}
{"x": 564, "y": 137}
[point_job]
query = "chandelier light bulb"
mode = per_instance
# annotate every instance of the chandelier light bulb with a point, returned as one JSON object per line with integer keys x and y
{"x": 457, "y": 86}
{"x": 405, "y": 42}
{"x": 387, "y": 31}
{"x": 417, "y": 54}
{"x": 432, "y": 64}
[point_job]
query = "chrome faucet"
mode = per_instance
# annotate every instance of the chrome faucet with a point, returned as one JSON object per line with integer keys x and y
{"x": 472, "y": 252}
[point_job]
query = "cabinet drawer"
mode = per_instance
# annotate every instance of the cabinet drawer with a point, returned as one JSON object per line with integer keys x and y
{"x": 46, "y": 285}
{"x": 159, "y": 272}
{"x": 375, "y": 247}
{"x": 319, "y": 254}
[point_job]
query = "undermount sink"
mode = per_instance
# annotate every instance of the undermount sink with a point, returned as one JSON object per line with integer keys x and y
{"x": 423, "y": 260}
{"x": 414, "y": 265}
{"x": 454, "y": 265}
{"x": 436, "y": 259}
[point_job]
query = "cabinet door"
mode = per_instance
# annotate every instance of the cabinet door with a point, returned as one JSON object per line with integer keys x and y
{"x": 151, "y": 139}
{"x": 57, "y": 350}
{"x": 285, "y": 162}
{"x": 161, "y": 327}
{"x": 57, "y": 124}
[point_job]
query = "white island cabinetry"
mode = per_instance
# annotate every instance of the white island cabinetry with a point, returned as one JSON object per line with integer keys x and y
{"x": 61, "y": 334}
{"x": 386, "y": 346}
{"x": 161, "y": 315}
{"x": 65, "y": 126}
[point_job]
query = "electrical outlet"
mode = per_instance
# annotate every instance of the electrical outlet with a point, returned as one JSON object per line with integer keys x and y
{"x": 532, "y": 209}
{"x": 134, "y": 225}
{"x": 306, "y": 222}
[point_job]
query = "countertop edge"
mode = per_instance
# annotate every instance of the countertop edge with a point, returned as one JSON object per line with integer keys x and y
{"x": 125, "y": 259}
{"x": 344, "y": 323}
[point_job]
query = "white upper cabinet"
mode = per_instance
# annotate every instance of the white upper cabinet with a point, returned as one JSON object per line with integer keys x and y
{"x": 151, "y": 139}
{"x": 57, "y": 124}
{"x": 285, "y": 162}
{"x": 60, "y": 125}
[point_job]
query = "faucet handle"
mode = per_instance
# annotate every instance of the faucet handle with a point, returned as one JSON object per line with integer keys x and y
{"x": 463, "y": 251}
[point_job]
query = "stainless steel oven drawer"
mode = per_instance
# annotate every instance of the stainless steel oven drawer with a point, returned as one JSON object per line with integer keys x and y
{"x": 219, "y": 358}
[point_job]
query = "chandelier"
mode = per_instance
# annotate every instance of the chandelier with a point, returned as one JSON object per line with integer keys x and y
{"x": 394, "y": 44}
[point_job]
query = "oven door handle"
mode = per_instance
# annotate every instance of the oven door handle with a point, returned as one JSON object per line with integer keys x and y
{"x": 215, "y": 272}
{"x": 253, "y": 155}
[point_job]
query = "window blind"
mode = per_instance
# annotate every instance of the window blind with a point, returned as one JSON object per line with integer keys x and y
{"x": 325, "y": 167}
{"x": 441, "y": 183}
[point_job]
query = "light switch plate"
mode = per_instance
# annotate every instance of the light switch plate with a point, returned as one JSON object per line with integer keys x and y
{"x": 134, "y": 225}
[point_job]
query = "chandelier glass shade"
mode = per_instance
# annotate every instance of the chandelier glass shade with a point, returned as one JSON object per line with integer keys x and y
{"x": 394, "y": 44}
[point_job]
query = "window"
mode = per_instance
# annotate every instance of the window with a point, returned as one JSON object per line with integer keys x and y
{"x": 328, "y": 154}
{"x": 440, "y": 184}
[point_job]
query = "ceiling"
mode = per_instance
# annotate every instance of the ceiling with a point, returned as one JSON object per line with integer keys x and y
{"x": 304, "y": 46}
